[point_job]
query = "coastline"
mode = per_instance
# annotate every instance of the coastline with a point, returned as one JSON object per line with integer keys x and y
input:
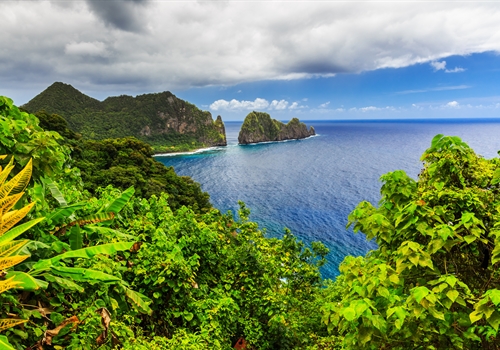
{"x": 220, "y": 148}
{"x": 183, "y": 153}
{"x": 266, "y": 142}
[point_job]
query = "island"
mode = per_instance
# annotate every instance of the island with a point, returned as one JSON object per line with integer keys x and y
{"x": 162, "y": 120}
{"x": 260, "y": 127}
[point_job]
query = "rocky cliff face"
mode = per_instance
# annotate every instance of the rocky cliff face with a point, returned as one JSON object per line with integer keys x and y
{"x": 160, "y": 119}
{"x": 259, "y": 127}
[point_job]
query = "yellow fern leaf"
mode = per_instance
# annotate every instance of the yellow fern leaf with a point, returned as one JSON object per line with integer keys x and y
{"x": 10, "y": 247}
{"x": 13, "y": 217}
{"x": 8, "y": 202}
{"x": 3, "y": 176}
{"x": 10, "y": 322}
{"x": 8, "y": 284}
{"x": 18, "y": 183}
{"x": 3, "y": 156}
{"x": 10, "y": 261}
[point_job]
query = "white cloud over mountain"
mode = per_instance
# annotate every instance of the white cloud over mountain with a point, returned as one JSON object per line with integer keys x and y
{"x": 258, "y": 104}
{"x": 158, "y": 45}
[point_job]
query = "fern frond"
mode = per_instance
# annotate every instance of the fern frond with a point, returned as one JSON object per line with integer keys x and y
{"x": 10, "y": 261}
{"x": 13, "y": 217}
{"x": 8, "y": 202}
{"x": 8, "y": 284}
{"x": 18, "y": 183}
{"x": 4, "y": 174}
{"x": 10, "y": 322}
{"x": 8, "y": 248}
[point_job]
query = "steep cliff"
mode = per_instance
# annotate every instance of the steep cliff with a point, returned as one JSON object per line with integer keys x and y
{"x": 161, "y": 119}
{"x": 259, "y": 127}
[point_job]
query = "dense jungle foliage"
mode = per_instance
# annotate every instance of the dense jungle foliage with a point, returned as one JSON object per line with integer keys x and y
{"x": 164, "y": 121}
{"x": 126, "y": 162}
{"x": 112, "y": 269}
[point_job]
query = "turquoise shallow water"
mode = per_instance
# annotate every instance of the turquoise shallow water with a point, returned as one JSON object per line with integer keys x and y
{"x": 311, "y": 185}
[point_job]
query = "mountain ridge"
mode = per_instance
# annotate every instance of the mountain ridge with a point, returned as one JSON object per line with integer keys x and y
{"x": 161, "y": 119}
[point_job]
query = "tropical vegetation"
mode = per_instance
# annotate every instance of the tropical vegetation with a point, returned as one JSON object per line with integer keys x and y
{"x": 166, "y": 122}
{"x": 93, "y": 256}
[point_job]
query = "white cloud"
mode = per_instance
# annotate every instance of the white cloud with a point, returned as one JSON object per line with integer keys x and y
{"x": 438, "y": 65}
{"x": 439, "y": 88}
{"x": 372, "y": 109}
{"x": 455, "y": 70}
{"x": 442, "y": 66}
{"x": 278, "y": 105}
{"x": 258, "y": 103}
{"x": 453, "y": 104}
{"x": 165, "y": 45}
{"x": 324, "y": 105}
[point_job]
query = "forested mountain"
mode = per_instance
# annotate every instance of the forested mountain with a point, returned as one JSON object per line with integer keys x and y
{"x": 260, "y": 127}
{"x": 160, "y": 119}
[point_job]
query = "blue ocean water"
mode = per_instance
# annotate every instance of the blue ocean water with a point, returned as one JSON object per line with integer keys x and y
{"x": 310, "y": 186}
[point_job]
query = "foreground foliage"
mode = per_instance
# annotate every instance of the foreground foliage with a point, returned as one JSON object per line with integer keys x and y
{"x": 119, "y": 270}
{"x": 434, "y": 281}
{"x": 148, "y": 269}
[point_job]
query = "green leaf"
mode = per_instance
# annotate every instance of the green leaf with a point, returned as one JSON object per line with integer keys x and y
{"x": 106, "y": 231}
{"x": 121, "y": 201}
{"x": 4, "y": 343}
{"x": 470, "y": 238}
{"x": 63, "y": 213}
{"x": 55, "y": 191}
{"x": 439, "y": 185}
{"x": 27, "y": 282}
{"x": 18, "y": 230}
{"x": 420, "y": 292}
{"x": 349, "y": 313}
{"x": 75, "y": 238}
{"x": 63, "y": 282}
{"x": 141, "y": 302}
{"x": 188, "y": 316}
{"x": 494, "y": 295}
{"x": 83, "y": 275}
{"x": 384, "y": 292}
{"x": 475, "y": 316}
{"x": 435, "y": 313}
{"x": 494, "y": 320}
{"x": 452, "y": 295}
{"x": 89, "y": 252}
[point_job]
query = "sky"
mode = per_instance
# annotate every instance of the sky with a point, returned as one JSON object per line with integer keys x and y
{"x": 307, "y": 59}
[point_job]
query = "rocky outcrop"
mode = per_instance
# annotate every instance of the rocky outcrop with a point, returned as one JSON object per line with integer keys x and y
{"x": 159, "y": 118}
{"x": 259, "y": 127}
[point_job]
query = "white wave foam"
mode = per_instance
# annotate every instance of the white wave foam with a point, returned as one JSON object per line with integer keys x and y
{"x": 201, "y": 150}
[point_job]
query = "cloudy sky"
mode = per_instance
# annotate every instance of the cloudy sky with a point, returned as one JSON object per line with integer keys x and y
{"x": 310, "y": 59}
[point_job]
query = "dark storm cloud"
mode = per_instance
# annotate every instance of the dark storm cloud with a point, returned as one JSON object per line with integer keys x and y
{"x": 120, "y": 14}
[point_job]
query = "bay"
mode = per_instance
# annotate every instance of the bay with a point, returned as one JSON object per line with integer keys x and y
{"x": 310, "y": 186}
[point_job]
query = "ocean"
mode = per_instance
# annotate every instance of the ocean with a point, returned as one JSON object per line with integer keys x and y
{"x": 310, "y": 186}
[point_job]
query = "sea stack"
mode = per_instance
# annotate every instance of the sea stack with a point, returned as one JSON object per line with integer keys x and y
{"x": 260, "y": 127}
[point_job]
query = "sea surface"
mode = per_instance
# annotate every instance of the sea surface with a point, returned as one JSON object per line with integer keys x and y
{"x": 310, "y": 186}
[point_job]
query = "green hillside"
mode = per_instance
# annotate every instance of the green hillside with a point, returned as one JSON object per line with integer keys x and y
{"x": 161, "y": 119}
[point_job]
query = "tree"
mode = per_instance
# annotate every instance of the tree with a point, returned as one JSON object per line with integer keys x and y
{"x": 434, "y": 280}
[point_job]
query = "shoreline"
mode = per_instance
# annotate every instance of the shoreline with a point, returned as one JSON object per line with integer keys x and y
{"x": 184, "y": 153}
{"x": 220, "y": 148}
{"x": 288, "y": 140}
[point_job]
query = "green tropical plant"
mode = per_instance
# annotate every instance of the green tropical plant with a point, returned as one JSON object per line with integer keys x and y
{"x": 434, "y": 281}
